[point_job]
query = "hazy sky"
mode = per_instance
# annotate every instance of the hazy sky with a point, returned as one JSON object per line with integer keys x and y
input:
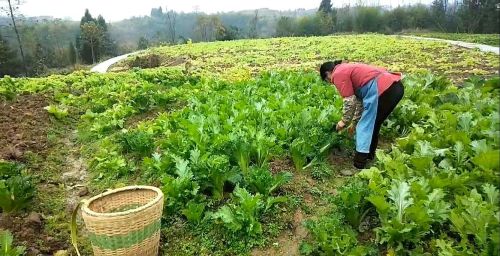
{"x": 114, "y": 10}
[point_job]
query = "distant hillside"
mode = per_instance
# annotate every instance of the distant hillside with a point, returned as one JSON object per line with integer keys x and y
{"x": 154, "y": 28}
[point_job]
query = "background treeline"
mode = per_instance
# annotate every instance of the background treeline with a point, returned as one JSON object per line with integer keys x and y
{"x": 55, "y": 45}
{"x": 468, "y": 16}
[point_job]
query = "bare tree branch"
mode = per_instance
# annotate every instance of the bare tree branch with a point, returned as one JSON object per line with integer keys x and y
{"x": 11, "y": 14}
{"x": 171, "y": 18}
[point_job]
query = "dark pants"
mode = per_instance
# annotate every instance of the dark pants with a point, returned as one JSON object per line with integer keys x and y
{"x": 386, "y": 104}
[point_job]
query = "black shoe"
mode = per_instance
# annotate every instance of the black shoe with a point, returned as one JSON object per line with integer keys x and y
{"x": 359, "y": 165}
{"x": 371, "y": 156}
{"x": 360, "y": 160}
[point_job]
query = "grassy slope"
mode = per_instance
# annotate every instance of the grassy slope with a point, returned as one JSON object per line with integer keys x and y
{"x": 239, "y": 59}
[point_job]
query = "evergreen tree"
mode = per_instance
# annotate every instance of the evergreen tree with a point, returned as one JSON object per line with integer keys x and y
{"x": 85, "y": 48}
{"x": 107, "y": 46}
{"x": 325, "y": 23}
{"x": 325, "y": 6}
{"x": 86, "y": 17}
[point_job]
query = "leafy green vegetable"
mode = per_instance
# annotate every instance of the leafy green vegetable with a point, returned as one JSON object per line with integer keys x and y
{"x": 321, "y": 171}
{"x": 6, "y": 249}
{"x": 58, "y": 112}
{"x": 400, "y": 196}
{"x": 8, "y": 88}
{"x": 194, "y": 211}
{"x": 429, "y": 183}
{"x": 476, "y": 217}
{"x": 332, "y": 237}
{"x": 181, "y": 188}
{"x": 139, "y": 142}
{"x": 260, "y": 180}
{"x": 243, "y": 216}
{"x": 352, "y": 203}
{"x": 16, "y": 189}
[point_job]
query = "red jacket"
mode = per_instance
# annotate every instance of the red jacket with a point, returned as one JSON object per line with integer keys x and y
{"x": 349, "y": 77}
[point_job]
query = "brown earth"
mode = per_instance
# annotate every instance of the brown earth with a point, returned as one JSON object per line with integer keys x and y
{"x": 23, "y": 126}
{"x": 287, "y": 243}
{"x": 30, "y": 229}
{"x": 280, "y": 165}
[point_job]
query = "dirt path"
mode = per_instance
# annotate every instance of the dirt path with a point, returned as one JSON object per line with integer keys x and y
{"x": 315, "y": 203}
{"x": 481, "y": 47}
{"x": 75, "y": 177}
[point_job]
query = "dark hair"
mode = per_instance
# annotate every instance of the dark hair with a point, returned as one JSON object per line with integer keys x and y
{"x": 328, "y": 67}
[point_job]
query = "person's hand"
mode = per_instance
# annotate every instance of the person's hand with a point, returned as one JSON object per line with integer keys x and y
{"x": 340, "y": 126}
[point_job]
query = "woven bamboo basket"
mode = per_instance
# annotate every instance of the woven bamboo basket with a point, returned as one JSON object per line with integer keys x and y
{"x": 124, "y": 221}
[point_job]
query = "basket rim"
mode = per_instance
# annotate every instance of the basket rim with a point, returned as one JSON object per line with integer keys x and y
{"x": 87, "y": 210}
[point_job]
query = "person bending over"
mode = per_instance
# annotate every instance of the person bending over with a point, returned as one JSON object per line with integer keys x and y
{"x": 369, "y": 95}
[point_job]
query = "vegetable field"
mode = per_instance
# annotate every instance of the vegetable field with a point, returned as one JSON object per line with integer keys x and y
{"x": 225, "y": 129}
{"x": 243, "y": 58}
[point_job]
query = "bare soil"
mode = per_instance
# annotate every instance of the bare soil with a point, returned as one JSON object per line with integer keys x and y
{"x": 31, "y": 234}
{"x": 23, "y": 126}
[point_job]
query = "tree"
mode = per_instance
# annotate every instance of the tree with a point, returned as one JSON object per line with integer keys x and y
{"x": 107, "y": 47}
{"x": 325, "y": 23}
{"x": 478, "y": 16}
{"x": 470, "y": 12}
{"x": 81, "y": 43}
{"x": 227, "y": 33}
{"x": 39, "y": 67}
{"x": 491, "y": 18}
{"x": 253, "y": 32}
{"x": 208, "y": 27}
{"x": 10, "y": 12}
{"x": 308, "y": 26}
{"x": 92, "y": 34}
{"x": 171, "y": 19}
{"x": 8, "y": 59}
{"x": 102, "y": 47}
{"x": 202, "y": 23}
{"x": 72, "y": 53}
{"x": 285, "y": 27}
{"x": 325, "y": 6}
{"x": 418, "y": 16}
{"x": 86, "y": 17}
{"x": 157, "y": 13}
{"x": 397, "y": 19}
{"x": 143, "y": 43}
{"x": 345, "y": 19}
{"x": 438, "y": 11}
{"x": 368, "y": 19}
